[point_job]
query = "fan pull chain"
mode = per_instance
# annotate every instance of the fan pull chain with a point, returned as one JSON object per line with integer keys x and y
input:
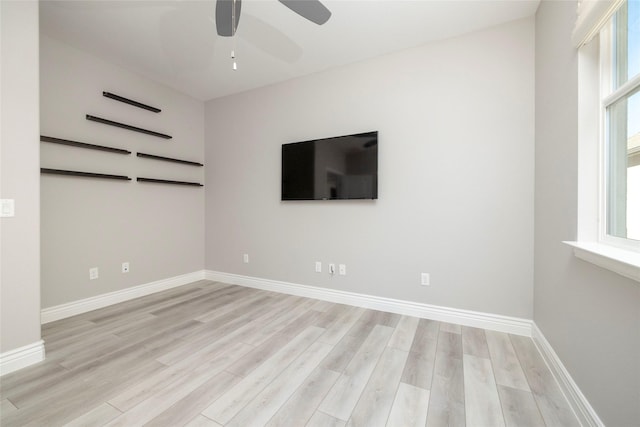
{"x": 233, "y": 33}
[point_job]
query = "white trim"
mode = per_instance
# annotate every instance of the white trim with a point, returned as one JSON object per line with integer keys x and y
{"x": 21, "y": 357}
{"x": 592, "y": 15}
{"x": 622, "y": 91}
{"x": 609, "y": 95}
{"x": 494, "y": 322}
{"x": 62, "y": 311}
{"x": 578, "y": 402}
{"x": 624, "y": 262}
{"x": 34, "y": 353}
{"x": 590, "y": 134}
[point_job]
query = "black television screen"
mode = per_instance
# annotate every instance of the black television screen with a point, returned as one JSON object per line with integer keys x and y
{"x": 343, "y": 167}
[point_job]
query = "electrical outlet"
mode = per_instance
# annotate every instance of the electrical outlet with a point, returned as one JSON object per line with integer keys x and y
{"x": 245, "y": 258}
{"x": 93, "y": 273}
{"x": 332, "y": 269}
{"x": 424, "y": 280}
{"x": 318, "y": 267}
{"x": 125, "y": 267}
{"x": 342, "y": 269}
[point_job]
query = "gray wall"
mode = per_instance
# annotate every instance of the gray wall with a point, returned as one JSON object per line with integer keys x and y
{"x": 590, "y": 316}
{"x": 20, "y": 177}
{"x": 158, "y": 229}
{"x": 456, "y": 128}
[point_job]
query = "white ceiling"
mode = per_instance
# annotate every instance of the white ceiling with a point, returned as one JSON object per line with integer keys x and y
{"x": 175, "y": 42}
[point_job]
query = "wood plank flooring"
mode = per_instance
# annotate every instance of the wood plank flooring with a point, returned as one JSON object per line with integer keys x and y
{"x": 212, "y": 354}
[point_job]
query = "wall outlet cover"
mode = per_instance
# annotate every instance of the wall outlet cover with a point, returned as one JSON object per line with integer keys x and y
{"x": 424, "y": 279}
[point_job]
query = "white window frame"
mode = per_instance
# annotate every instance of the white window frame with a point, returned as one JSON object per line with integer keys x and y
{"x": 608, "y": 97}
{"x": 593, "y": 244}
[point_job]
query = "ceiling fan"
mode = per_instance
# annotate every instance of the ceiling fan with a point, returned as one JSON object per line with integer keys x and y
{"x": 228, "y": 13}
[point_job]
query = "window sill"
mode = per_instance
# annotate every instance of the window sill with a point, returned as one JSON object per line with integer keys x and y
{"x": 621, "y": 261}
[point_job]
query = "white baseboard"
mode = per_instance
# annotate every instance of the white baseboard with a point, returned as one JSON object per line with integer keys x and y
{"x": 578, "y": 402}
{"x": 33, "y": 353}
{"x": 21, "y": 357}
{"x": 494, "y": 322}
{"x": 517, "y": 326}
{"x": 51, "y": 314}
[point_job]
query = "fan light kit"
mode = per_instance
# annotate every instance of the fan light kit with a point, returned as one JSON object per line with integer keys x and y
{"x": 228, "y": 16}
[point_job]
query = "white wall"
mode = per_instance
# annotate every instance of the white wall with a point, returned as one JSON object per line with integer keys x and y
{"x": 590, "y": 316}
{"x": 455, "y": 175}
{"x": 158, "y": 229}
{"x": 19, "y": 177}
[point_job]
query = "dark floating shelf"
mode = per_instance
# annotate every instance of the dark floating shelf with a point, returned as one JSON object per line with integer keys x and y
{"x": 130, "y": 102}
{"x": 168, "y": 159}
{"x": 82, "y": 145}
{"x": 166, "y": 181}
{"x": 83, "y": 174}
{"x": 128, "y": 127}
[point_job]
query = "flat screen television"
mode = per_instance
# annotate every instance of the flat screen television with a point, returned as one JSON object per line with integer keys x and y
{"x": 338, "y": 168}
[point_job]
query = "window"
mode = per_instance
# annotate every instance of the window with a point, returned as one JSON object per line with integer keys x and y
{"x": 607, "y": 35}
{"x": 620, "y": 70}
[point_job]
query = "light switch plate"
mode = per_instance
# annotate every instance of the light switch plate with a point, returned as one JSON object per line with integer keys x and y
{"x": 8, "y": 208}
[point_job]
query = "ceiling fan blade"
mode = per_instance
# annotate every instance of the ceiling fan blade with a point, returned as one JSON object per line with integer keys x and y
{"x": 224, "y": 16}
{"x": 269, "y": 39}
{"x": 312, "y": 10}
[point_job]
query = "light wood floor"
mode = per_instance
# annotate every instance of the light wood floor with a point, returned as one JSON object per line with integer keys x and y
{"x": 210, "y": 354}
